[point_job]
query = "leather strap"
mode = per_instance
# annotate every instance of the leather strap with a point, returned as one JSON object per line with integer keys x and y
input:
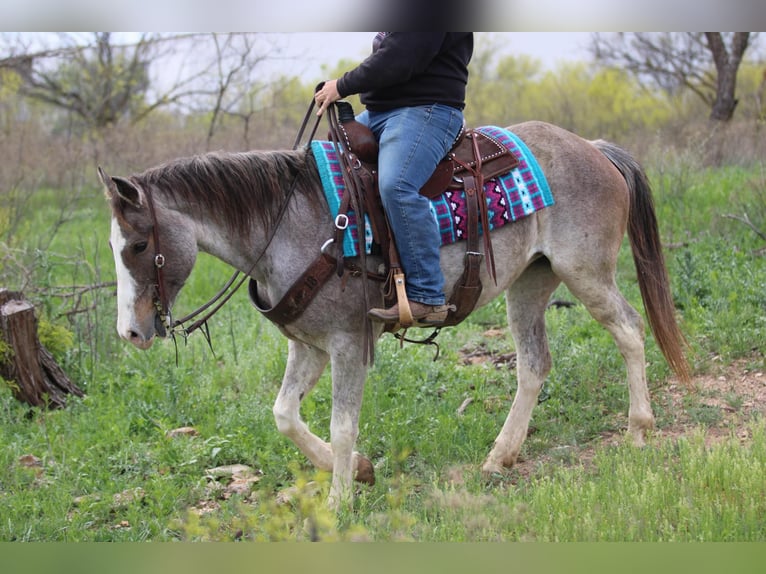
{"x": 159, "y": 264}
{"x": 476, "y": 179}
{"x": 298, "y": 297}
{"x": 489, "y": 255}
{"x": 466, "y": 291}
{"x": 351, "y": 166}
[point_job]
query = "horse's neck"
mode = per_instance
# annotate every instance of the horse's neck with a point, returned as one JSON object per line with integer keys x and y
{"x": 210, "y": 236}
{"x": 221, "y": 245}
{"x": 294, "y": 244}
{"x": 272, "y": 256}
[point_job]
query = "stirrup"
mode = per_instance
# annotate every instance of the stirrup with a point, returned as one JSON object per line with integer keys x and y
{"x": 405, "y": 312}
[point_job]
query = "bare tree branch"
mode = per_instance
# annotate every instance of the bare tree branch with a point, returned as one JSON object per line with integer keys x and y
{"x": 102, "y": 80}
{"x": 705, "y": 63}
{"x": 746, "y": 220}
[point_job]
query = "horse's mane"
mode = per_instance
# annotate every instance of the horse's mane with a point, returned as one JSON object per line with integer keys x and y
{"x": 235, "y": 188}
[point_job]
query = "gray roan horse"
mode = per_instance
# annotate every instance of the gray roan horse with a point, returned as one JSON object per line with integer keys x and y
{"x": 233, "y": 206}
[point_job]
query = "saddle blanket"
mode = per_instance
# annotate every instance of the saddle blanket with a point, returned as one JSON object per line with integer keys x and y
{"x": 509, "y": 197}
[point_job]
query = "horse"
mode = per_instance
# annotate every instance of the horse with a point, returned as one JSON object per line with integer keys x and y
{"x": 263, "y": 213}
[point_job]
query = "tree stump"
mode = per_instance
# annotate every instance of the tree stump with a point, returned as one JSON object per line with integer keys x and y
{"x": 27, "y": 366}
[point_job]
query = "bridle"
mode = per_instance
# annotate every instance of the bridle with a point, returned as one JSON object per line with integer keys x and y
{"x": 161, "y": 301}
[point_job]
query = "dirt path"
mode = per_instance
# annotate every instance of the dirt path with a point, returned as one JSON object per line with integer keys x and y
{"x": 735, "y": 391}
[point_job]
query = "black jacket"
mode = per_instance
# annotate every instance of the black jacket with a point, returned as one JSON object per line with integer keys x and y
{"x": 411, "y": 69}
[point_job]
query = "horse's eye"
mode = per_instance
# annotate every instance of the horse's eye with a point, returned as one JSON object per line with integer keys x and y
{"x": 139, "y": 247}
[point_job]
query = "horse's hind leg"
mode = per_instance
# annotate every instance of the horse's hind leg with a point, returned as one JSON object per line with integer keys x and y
{"x": 526, "y": 300}
{"x": 606, "y": 304}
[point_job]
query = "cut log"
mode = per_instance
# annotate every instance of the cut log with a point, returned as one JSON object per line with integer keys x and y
{"x": 28, "y": 367}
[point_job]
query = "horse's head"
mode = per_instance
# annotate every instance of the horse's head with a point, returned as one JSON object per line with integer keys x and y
{"x": 154, "y": 252}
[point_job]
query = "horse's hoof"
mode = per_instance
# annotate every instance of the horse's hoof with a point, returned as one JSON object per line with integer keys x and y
{"x": 494, "y": 471}
{"x": 638, "y": 430}
{"x": 494, "y": 475}
{"x": 365, "y": 472}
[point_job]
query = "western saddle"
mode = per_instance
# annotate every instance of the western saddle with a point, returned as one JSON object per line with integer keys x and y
{"x": 473, "y": 159}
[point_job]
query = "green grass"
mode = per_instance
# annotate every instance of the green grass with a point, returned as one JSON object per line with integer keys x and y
{"x": 671, "y": 491}
{"x": 114, "y": 441}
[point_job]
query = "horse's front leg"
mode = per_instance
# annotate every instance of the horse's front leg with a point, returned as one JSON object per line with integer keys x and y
{"x": 305, "y": 365}
{"x": 348, "y": 377}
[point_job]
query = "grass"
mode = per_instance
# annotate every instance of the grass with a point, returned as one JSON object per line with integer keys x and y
{"x": 682, "y": 491}
{"x": 105, "y": 468}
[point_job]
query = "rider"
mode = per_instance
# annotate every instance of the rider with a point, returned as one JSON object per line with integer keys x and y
{"x": 413, "y": 87}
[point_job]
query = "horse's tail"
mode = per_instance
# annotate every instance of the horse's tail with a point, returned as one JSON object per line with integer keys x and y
{"x": 653, "y": 278}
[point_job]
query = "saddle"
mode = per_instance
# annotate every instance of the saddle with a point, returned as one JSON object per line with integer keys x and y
{"x": 473, "y": 151}
{"x": 474, "y": 158}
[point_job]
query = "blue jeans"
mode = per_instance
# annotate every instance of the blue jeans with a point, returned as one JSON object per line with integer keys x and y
{"x": 412, "y": 141}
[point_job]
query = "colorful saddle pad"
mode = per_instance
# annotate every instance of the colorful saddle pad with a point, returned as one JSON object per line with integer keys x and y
{"x": 509, "y": 198}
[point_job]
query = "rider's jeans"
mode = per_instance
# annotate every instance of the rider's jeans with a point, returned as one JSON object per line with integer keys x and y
{"x": 412, "y": 141}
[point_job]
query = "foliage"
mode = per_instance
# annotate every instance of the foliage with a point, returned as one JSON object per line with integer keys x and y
{"x": 600, "y": 103}
{"x": 594, "y": 102}
{"x": 100, "y": 86}
{"x": 751, "y": 85}
{"x": 6, "y": 352}
{"x": 46, "y": 146}
{"x": 670, "y": 492}
{"x": 705, "y": 63}
{"x": 280, "y": 106}
{"x": 505, "y": 91}
{"x": 10, "y": 82}
{"x": 55, "y": 337}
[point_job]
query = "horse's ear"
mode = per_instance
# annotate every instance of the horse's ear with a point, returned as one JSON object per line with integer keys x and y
{"x": 121, "y": 188}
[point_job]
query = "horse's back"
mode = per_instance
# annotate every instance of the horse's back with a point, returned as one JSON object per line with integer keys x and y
{"x": 584, "y": 183}
{"x": 590, "y": 213}
{"x": 565, "y": 156}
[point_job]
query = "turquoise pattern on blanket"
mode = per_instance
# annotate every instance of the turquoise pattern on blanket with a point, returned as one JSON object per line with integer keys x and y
{"x": 509, "y": 197}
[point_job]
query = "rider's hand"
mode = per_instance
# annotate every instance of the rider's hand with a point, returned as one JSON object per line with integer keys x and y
{"x": 326, "y": 96}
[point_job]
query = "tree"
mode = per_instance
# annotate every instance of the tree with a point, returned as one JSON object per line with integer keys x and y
{"x": 25, "y": 364}
{"x": 104, "y": 78}
{"x": 704, "y": 62}
{"x": 99, "y": 81}
{"x": 236, "y": 59}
